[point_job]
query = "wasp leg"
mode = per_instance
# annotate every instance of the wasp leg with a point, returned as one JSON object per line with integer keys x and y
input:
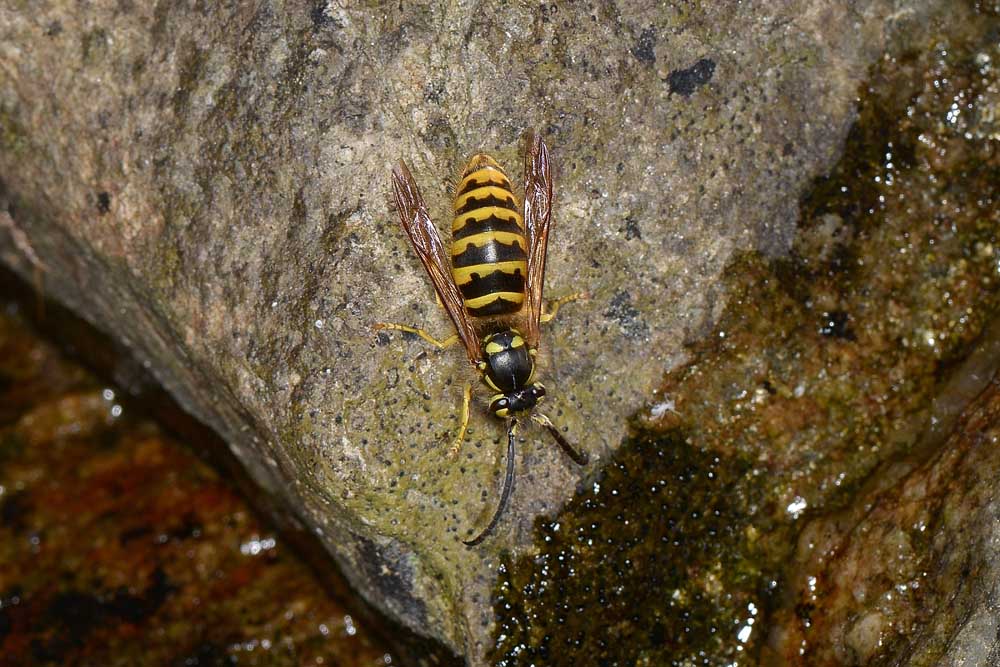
{"x": 457, "y": 444}
{"x": 580, "y": 458}
{"x": 550, "y": 309}
{"x": 447, "y": 342}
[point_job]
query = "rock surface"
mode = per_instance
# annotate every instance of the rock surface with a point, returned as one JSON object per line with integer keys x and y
{"x": 907, "y": 575}
{"x": 120, "y": 546}
{"x": 208, "y": 183}
{"x": 829, "y": 375}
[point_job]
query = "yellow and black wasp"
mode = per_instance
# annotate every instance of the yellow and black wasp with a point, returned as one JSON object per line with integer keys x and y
{"x": 491, "y": 285}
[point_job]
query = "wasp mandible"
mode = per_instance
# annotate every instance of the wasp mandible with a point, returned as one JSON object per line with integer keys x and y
{"x": 491, "y": 285}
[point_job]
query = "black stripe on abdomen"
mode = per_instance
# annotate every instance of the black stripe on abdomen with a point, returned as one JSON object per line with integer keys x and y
{"x": 482, "y": 178}
{"x": 489, "y": 253}
{"x": 495, "y": 281}
{"x": 499, "y": 306}
{"x": 472, "y": 203}
{"x": 470, "y": 226}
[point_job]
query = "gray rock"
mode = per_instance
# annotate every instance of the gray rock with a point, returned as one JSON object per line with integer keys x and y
{"x": 208, "y": 183}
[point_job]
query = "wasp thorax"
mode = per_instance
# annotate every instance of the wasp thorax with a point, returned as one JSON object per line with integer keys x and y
{"x": 508, "y": 363}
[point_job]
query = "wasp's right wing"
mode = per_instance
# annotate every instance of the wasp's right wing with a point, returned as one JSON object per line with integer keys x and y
{"x": 537, "y": 218}
{"x": 427, "y": 242}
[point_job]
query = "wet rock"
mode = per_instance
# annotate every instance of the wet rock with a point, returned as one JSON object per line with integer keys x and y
{"x": 118, "y": 545}
{"x": 906, "y": 575}
{"x": 649, "y": 564}
{"x": 829, "y": 374}
{"x": 209, "y": 185}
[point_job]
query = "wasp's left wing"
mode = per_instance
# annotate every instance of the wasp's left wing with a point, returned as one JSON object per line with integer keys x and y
{"x": 427, "y": 243}
{"x": 537, "y": 216}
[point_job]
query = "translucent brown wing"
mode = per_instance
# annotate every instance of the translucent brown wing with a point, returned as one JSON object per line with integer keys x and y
{"x": 537, "y": 216}
{"x": 427, "y": 243}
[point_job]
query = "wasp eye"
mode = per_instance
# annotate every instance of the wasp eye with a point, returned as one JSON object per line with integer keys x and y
{"x": 500, "y": 407}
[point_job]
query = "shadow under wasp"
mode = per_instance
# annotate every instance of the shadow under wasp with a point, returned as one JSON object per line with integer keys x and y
{"x": 491, "y": 285}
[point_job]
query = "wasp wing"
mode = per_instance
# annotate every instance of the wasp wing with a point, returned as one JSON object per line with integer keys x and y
{"x": 537, "y": 216}
{"x": 427, "y": 243}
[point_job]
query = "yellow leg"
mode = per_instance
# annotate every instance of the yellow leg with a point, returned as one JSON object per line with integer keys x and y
{"x": 456, "y": 445}
{"x": 552, "y": 307}
{"x": 447, "y": 342}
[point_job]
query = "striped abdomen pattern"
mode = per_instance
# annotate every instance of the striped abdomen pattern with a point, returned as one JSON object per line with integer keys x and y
{"x": 488, "y": 247}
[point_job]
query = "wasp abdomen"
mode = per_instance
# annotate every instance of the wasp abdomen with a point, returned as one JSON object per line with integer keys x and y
{"x": 488, "y": 256}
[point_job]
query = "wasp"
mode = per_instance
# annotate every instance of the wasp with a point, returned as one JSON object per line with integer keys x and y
{"x": 490, "y": 283}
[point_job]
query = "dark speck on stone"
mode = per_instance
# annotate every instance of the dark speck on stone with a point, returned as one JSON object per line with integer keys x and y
{"x": 13, "y": 511}
{"x": 103, "y": 202}
{"x": 626, "y": 315}
{"x": 632, "y": 230}
{"x": 209, "y": 655}
{"x": 320, "y": 18}
{"x": 686, "y": 81}
{"x": 644, "y": 49}
{"x": 5, "y": 623}
{"x": 835, "y": 324}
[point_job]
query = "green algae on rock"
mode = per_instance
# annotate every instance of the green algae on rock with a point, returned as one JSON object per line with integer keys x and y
{"x": 651, "y": 564}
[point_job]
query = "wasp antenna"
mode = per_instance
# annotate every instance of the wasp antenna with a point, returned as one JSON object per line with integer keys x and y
{"x": 580, "y": 458}
{"x": 508, "y": 484}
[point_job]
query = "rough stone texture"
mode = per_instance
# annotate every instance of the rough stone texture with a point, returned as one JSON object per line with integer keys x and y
{"x": 830, "y": 371}
{"x": 208, "y": 183}
{"x": 907, "y": 575}
{"x": 119, "y": 546}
